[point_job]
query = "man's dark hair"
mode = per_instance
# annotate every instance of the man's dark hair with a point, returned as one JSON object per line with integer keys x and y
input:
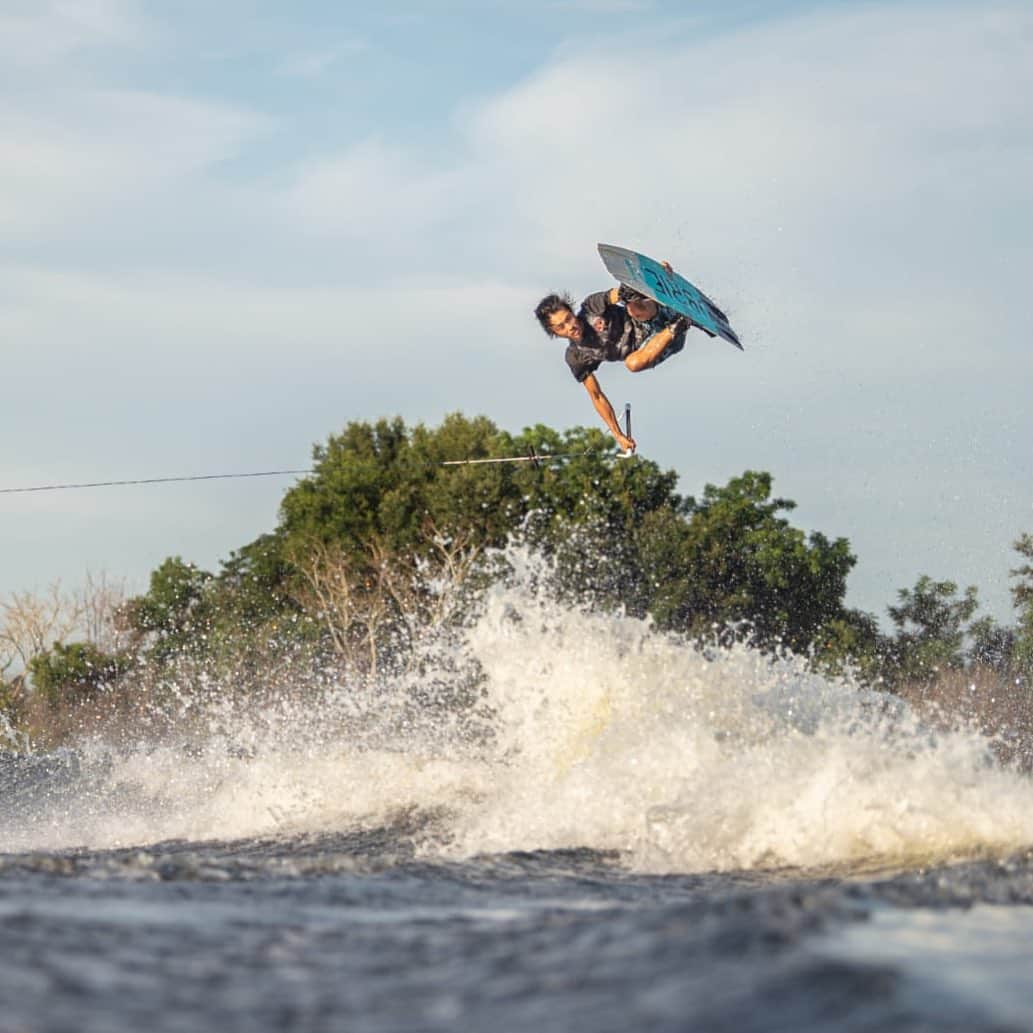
{"x": 549, "y": 306}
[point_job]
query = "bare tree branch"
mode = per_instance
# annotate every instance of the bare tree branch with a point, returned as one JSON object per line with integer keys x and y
{"x": 30, "y": 624}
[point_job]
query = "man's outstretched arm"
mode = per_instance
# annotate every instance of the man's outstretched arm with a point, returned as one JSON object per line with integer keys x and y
{"x": 605, "y": 410}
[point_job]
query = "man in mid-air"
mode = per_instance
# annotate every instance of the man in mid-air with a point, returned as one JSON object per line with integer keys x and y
{"x": 640, "y": 333}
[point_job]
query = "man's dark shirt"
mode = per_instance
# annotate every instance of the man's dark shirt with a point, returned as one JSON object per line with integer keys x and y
{"x": 613, "y": 343}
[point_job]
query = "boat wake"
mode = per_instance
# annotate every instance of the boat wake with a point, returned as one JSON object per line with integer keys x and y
{"x": 582, "y": 730}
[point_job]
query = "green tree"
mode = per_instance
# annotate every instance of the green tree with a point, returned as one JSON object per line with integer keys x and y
{"x": 384, "y": 483}
{"x": 251, "y": 586}
{"x": 382, "y": 489}
{"x": 12, "y": 712}
{"x": 1022, "y": 598}
{"x": 354, "y": 566}
{"x": 730, "y": 558}
{"x": 382, "y": 504}
{"x": 993, "y": 646}
{"x": 240, "y": 621}
{"x": 173, "y": 616}
{"x": 850, "y": 642}
{"x": 931, "y": 624}
{"x": 618, "y": 531}
{"x": 73, "y": 673}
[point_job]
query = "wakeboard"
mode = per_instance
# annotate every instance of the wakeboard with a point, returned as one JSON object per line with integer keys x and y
{"x": 649, "y": 277}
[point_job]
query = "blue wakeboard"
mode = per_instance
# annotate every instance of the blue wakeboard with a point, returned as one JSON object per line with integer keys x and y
{"x": 649, "y": 277}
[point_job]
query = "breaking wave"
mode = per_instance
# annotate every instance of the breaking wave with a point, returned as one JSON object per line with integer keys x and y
{"x": 580, "y": 729}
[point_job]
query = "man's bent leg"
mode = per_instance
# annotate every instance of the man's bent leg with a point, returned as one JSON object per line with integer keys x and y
{"x": 654, "y": 350}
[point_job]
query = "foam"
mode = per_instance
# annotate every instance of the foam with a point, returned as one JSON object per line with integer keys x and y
{"x": 594, "y": 730}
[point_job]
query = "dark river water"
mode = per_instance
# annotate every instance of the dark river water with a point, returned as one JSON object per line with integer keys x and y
{"x": 345, "y": 933}
{"x": 623, "y": 834}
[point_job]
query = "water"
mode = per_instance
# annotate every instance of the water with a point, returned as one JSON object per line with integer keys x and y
{"x": 623, "y": 833}
{"x": 973, "y": 962}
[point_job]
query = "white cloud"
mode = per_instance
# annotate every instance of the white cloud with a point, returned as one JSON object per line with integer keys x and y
{"x": 852, "y": 186}
{"x": 814, "y": 175}
{"x": 822, "y": 123}
{"x": 174, "y": 319}
{"x": 611, "y": 6}
{"x": 887, "y": 127}
{"x": 315, "y": 64}
{"x": 842, "y": 175}
{"x": 307, "y": 66}
{"x": 381, "y": 194}
{"x": 41, "y": 33}
{"x": 854, "y": 171}
{"x": 77, "y": 155}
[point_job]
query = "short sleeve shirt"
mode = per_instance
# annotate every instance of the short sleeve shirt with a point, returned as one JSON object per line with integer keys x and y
{"x": 610, "y": 337}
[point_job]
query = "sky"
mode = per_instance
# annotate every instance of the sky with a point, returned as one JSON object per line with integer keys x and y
{"x": 228, "y": 230}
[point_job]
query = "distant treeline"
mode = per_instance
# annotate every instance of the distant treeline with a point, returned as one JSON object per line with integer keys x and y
{"x": 382, "y": 544}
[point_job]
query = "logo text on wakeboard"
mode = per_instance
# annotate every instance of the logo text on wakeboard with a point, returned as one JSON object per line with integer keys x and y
{"x": 683, "y": 293}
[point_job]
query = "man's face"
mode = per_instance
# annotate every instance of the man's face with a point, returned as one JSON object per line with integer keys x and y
{"x": 565, "y": 324}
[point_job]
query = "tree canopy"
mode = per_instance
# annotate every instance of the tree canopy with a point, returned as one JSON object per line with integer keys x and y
{"x": 356, "y": 538}
{"x": 382, "y": 540}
